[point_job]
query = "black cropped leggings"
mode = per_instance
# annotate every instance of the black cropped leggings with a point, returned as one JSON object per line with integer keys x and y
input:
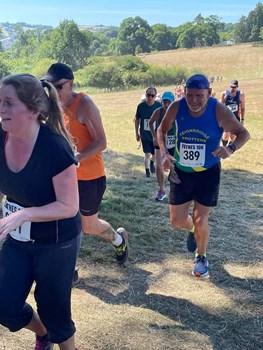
{"x": 51, "y": 267}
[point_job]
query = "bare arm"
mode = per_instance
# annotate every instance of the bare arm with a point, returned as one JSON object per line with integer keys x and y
{"x": 228, "y": 121}
{"x": 243, "y": 107}
{"x": 137, "y": 134}
{"x": 223, "y": 97}
{"x": 66, "y": 204}
{"x": 89, "y": 114}
{"x": 165, "y": 126}
{"x": 155, "y": 116}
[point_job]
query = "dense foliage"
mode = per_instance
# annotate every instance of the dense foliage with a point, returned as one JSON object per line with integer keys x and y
{"x": 34, "y": 49}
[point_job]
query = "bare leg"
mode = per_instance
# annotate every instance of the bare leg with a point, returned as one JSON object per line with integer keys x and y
{"x": 147, "y": 158}
{"x": 159, "y": 170}
{"x": 94, "y": 226}
{"x": 202, "y": 230}
{"x": 36, "y": 326}
{"x": 179, "y": 216}
{"x": 69, "y": 344}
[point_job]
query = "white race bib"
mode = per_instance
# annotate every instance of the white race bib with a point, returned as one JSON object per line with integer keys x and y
{"x": 233, "y": 107}
{"x": 21, "y": 233}
{"x": 192, "y": 155}
{"x": 170, "y": 141}
{"x": 146, "y": 125}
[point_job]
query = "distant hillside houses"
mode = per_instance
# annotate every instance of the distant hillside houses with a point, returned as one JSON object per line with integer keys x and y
{"x": 227, "y": 42}
{"x": 8, "y": 31}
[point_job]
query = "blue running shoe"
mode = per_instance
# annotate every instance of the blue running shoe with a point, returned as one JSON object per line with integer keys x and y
{"x": 191, "y": 243}
{"x": 201, "y": 267}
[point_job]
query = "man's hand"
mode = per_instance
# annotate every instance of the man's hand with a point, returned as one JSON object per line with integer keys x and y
{"x": 222, "y": 152}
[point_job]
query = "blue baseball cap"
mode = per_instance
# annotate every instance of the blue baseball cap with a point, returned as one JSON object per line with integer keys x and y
{"x": 168, "y": 95}
{"x": 197, "y": 81}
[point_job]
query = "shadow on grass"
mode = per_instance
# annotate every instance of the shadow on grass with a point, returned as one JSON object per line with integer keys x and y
{"x": 235, "y": 241}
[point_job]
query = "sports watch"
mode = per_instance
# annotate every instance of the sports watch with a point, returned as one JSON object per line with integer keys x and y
{"x": 233, "y": 147}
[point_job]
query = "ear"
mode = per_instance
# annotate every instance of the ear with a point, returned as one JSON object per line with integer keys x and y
{"x": 35, "y": 113}
{"x": 209, "y": 91}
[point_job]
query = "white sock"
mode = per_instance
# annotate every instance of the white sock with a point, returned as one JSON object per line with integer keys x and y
{"x": 118, "y": 241}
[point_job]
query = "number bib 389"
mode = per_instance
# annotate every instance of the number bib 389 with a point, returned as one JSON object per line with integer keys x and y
{"x": 192, "y": 155}
{"x": 21, "y": 233}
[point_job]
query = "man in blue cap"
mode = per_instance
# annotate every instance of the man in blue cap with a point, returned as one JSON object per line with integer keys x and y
{"x": 154, "y": 122}
{"x": 195, "y": 168}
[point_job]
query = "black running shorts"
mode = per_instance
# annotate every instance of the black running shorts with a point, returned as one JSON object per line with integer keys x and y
{"x": 201, "y": 187}
{"x": 147, "y": 146}
{"x": 90, "y": 195}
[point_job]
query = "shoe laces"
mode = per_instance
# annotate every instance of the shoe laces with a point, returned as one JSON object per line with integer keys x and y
{"x": 120, "y": 249}
{"x": 200, "y": 259}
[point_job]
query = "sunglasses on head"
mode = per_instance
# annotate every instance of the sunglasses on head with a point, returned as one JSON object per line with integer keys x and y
{"x": 59, "y": 87}
{"x": 150, "y": 95}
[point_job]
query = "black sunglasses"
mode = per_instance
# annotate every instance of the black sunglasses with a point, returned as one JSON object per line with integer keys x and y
{"x": 59, "y": 87}
{"x": 150, "y": 95}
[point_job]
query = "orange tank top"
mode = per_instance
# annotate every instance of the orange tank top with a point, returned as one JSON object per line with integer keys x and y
{"x": 92, "y": 167}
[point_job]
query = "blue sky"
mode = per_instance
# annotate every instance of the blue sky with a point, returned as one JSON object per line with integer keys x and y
{"x": 112, "y": 12}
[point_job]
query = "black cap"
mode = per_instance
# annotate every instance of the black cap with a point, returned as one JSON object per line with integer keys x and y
{"x": 58, "y": 71}
{"x": 234, "y": 83}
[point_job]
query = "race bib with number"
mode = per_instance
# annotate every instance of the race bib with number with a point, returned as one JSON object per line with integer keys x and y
{"x": 146, "y": 125}
{"x": 170, "y": 141}
{"x": 233, "y": 107}
{"x": 192, "y": 155}
{"x": 21, "y": 233}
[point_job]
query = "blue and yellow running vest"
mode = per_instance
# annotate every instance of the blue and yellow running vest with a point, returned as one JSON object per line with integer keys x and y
{"x": 196, "y": 138}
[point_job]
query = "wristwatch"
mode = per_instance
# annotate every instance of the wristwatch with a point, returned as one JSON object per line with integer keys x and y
{"x": 233, "y": 147}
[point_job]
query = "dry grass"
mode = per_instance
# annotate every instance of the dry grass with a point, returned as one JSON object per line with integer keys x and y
{"x": 154, "y": 303}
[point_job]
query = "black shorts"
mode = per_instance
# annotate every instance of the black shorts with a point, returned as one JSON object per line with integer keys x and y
{"x": 202, "y": 187}
{"x": 90, "y": 195}
{"x": 147, "y": 146}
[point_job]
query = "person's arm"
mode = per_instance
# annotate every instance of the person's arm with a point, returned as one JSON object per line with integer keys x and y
{"x": 88, "y": 114}
{"x": 165, "y": 126}
{"x": 242, "y": 107}
{"x": 229, "y": 122}
{"x": 65, "y": 206}
{"x": 155, "y": 116}
{"x": 223, "y": 97}
{"x": 136, "y": 125}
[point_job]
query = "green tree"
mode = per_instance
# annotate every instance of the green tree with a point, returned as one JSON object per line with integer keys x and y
{"x": 26, "y": 43}
{"x": 186, "y": 35}
{"x": 70, "y": 45}
{"x": 241, "y": 32}
{"x": 134, "y": 33}
{"x": 162, "y": 37}
{"x": 3, "y": 70}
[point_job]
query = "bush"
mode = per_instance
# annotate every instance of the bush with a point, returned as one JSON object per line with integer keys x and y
{"x": 115, "y": 73}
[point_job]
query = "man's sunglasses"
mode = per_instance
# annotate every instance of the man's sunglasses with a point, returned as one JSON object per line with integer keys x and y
{"x": 150, "y": 95}
{"x": 59, "y": 87}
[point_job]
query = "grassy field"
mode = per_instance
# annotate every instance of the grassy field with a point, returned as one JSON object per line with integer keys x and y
{"x": 155, "y": 303}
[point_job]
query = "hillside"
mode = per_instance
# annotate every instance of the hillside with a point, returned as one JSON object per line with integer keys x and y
{"x": 243, "y": 61}
{"x": 8, "y": 31}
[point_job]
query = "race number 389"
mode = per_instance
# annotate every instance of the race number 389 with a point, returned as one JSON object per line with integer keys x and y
{"x": 21, "y": 233}
{"x": 192, "y": 155}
